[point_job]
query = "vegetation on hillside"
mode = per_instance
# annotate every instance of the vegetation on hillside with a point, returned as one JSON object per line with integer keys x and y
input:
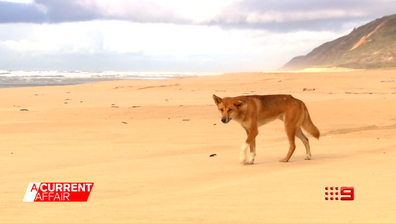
{"x": 368, "y": 47}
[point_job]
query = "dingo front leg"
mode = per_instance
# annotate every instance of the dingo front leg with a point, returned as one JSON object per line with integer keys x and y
{"x": 242, "y": 156}
{"x": 250, "y": 143}
{"x": 252, "y": 152}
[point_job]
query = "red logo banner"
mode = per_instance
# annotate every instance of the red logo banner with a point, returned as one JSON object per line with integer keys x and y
{"x": 58, "y": 192}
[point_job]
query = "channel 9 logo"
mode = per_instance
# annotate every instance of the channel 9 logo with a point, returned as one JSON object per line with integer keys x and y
{"x": 339, "y": 193}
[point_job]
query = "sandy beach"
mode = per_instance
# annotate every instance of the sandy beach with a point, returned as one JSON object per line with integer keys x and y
{"x": 146, "y": 146}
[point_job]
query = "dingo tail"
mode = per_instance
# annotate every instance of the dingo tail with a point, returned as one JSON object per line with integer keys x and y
{"x": 309, "y": 126}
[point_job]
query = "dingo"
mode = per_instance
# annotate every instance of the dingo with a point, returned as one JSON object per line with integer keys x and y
{"x": 256, "y": 110}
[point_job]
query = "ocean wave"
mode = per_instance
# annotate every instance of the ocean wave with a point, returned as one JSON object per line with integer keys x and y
{"x": 49, "y": 78}
{"x": 4, "y": 72}
{"x": 84, "y": 74}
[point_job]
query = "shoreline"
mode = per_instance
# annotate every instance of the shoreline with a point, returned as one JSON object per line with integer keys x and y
{"x": 61, "y": 78}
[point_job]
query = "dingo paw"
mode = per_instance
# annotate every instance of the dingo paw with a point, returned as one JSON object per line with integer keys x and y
{"x": 249, "y": 163}
{"x": 283, "y": 160}
{"x": 245, "y": 162}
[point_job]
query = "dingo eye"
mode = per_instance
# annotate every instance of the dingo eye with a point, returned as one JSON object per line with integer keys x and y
{"x": 229, "y": 110}
{"x": 221, "y": 109}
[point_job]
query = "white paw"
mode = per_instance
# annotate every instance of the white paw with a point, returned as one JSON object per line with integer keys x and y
{"x": 250, "y": 162}
{"x": 242, "y": 157}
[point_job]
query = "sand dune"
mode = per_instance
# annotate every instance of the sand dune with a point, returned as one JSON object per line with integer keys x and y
{"x": 147, "y": 144}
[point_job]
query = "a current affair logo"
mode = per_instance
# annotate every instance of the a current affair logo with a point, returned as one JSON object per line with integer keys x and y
{"x": 58, "y": 192}
{"x": 339, "y": 193}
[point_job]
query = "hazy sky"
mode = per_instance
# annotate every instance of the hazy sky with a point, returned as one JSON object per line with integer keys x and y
{"x": 173, "y": 35}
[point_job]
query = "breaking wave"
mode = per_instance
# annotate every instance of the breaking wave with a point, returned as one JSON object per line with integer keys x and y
{"x": 54, "y": 78}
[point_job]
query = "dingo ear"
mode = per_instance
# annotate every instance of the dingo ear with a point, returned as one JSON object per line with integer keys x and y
{"x": 239, "y": 103}
{"x": 217, "y": 100}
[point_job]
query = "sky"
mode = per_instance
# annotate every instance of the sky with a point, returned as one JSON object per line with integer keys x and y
{"x": 211, "y": 36}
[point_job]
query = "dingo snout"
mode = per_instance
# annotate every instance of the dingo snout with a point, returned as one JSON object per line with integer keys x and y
{"x": 225, "y": 119}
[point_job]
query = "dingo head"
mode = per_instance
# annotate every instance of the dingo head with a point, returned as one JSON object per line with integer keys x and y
{"x": 228, "y": 107}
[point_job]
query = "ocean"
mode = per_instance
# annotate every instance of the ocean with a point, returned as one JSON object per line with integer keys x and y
{"x": 12, "y": 79}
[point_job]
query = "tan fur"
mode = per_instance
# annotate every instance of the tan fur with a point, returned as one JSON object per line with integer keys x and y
{"x": 256, "y": 110}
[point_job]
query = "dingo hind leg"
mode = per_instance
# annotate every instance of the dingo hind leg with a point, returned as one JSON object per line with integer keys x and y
{"x": 305, "y": 140}
{"x": 293, "y": 120}
{"x": 291, "y": 135}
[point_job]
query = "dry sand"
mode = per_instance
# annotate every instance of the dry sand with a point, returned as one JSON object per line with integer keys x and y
{"x": 146, "y": 146}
